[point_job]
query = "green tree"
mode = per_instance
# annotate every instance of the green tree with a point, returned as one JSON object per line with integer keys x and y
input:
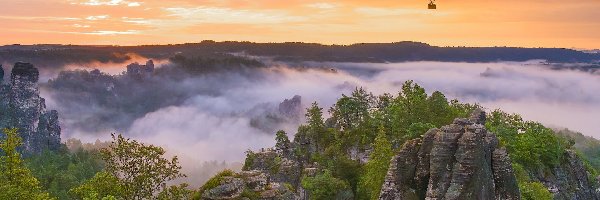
{"x": 350, "y": 112}
{"x": 16, "y": 181}
{"x": 134, "y": 171}
{"x": 59, "y": 171}
{"x": 529, "y": 143}
{"x": 318, "y": 135}
{"x": 102, "y": 185}
{"x": 415, "y": 130}
{"x": 323, "y": 186}
{"x": 376, "y": 169}
{"x": 439, "y": 109}
{"x": 409, "y": 107}
{"x": 282, "y": 143}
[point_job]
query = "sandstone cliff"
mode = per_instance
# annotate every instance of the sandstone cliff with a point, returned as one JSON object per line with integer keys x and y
{"x": 22, "y": 107}
{"x": 458, "y": 161}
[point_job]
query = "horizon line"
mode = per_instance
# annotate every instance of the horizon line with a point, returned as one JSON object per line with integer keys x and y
{"x": 294, "y": 42}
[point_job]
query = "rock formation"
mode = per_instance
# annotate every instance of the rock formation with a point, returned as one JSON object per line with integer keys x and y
{"x": 136, "y": 70}
{"x": 291, "y": 108}
{"x": 458, "y": 161}
{"x": 271, "y": 117}
{"x": 569, "y": 180}
{"x": 23, "y": 108}
{"x": 249, "y": 183}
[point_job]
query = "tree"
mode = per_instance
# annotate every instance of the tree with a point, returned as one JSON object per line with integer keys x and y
{"x": 323, "y": 186}
{"x": 439, "y": 109}
{"x": 134, "y": 171}
{"x": 409, "y": 107}
{"x": 283, "y": 144}
{"x": 317, "y": 133}
{"x": 16, "y": 181}
{"x": 59, "y": 171}
{"x": 529, "y": 143}
{"x": 102, "y": 185}
{"x": 376, "y": 169}
{"x": 349, "y": 112}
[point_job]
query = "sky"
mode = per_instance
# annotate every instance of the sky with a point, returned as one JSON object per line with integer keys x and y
{"x": 532, "y": 23}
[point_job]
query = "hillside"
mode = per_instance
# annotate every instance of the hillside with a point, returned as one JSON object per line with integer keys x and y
{"x": 58, "y": 55}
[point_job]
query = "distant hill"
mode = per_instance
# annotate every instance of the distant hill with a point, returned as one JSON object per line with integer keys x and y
{"x": 364, "y": 52}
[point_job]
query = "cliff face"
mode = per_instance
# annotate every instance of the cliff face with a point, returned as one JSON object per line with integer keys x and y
{"x": 570, "y": 180}
{"x": 458, "y": 161}
{"x": 23, "y": 108}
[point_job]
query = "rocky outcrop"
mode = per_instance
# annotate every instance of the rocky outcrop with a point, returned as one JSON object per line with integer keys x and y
{"x": 23, "y": 108}
{"x": 280, "y": 168}
{"x": 570, "y": 179}
{"x": 252, "y": 184}
{"x": 271, "y": 117}
{"x": 291, "y": 108}
{"x": 458, "y": 161}
{"x": 136, "y": 69}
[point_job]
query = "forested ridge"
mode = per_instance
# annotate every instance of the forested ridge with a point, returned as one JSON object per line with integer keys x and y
{"x": 347, "y": 154}
{"x": 58, "y": 55}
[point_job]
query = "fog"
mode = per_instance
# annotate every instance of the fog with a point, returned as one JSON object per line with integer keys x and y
{"x": 218, "y": 116}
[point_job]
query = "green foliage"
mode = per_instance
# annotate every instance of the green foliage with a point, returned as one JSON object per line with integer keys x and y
{"x": 102, "y": 185}
{"x": 376, "y": 169}
{"x": 59, "y": 171}
{"x": 531, "y": 146}
{"x": 534, "y": 191}
{"x": 215, "y": 181}
{"x": 323, "y": 186}
{"x": 141, "y": 168}
{"x": 520, "y": 173}
{"x": 415, "y": 130}
{"x": 176, "y": 192}
{"x": 16, "y": 181}
{"x": 350, "y": 112}
{"x": 133, "y": 171}
{"x": 316, "y": 132}
{"x": 529, "y": 143}
{"x": 251, "y": 195}
{"x": 282, "y": 143}
{"x": 413, "y": 112}
{"x": 249, "y": 161}
{"x": 587, "y": 147}
{"x": 360, "y": 121}
{"x": 530, "y": 190}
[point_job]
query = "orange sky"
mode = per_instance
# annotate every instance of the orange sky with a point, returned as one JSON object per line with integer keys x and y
{"x": 525, "y": 23}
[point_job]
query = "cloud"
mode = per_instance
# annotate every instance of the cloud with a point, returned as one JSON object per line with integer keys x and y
{"x": 210, "y": 117}
{"x": 106, "y": 32}
{"x": 134, "y": 4}
{"x": 226, "y": 15}
{"x": 81, "y": 26}
{"x": 109, "y": 3}
{"x": 323, "y": 5}
{"x": 97, "y": 17}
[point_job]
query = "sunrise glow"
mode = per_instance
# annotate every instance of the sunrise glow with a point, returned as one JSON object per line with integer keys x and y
{"x": 552, "y": 23}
